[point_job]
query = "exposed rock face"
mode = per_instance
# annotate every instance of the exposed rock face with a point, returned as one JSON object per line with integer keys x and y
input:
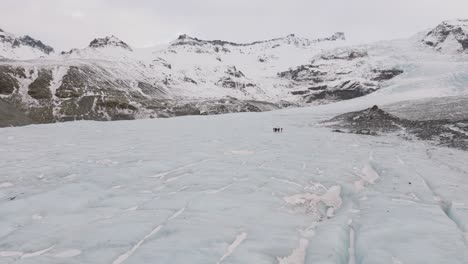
{"x": 304, "y": 73}
{"x": 232, "y": 83}
{"x": 338, "y": 75}
{"x": 34, "y": 43}
{"x": 345, "y": 91}
{"x": 40, "y": 88}
{"x": 375, "y": 121}
{"x": 449, "y": 36}
{"x": 73, "y": 83}
{"x": 7, "y": 84}
{"x": 8, "y": 79}
{"x": 111, "y": 41}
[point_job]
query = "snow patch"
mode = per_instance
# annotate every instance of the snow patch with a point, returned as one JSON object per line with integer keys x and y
{"x": 331, "y": 199}
{"x": 369, "y": 175}
{"x": 297, "y": 256}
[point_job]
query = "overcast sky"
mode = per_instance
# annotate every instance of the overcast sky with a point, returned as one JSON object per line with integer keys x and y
{"x": 67, "y": 24}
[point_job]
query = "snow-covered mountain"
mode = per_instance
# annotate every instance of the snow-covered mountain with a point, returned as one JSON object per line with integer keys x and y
{"x": 450, "y": 36}
{"x": 110, "y": 80}
{"x": 22, "y": 48}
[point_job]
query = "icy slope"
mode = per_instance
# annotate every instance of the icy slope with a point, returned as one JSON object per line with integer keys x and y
{"x": 226, "y": 189}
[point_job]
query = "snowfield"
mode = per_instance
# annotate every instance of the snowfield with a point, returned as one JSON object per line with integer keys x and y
{"x": 226, "y": 189}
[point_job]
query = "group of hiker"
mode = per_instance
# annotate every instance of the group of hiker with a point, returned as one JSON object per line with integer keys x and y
{"x": 277, "y": 129}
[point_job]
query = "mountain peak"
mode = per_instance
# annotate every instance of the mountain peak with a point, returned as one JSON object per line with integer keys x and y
{"x": 109, "y": 41}
{"x": 24, "y": 47}
{"x": 184, "y": 36}
{"x": 449, "y": 36}
{"x": 34, "y": 43}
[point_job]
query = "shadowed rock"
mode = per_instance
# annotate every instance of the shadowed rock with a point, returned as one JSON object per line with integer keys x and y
{"x": 40, "y": 88}
{"x": 8, "y": 82}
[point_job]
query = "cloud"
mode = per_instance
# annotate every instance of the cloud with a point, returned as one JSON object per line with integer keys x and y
{"x": 77, "y": 14}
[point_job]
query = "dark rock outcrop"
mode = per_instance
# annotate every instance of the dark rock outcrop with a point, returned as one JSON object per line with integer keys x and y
{"x": 229, "y": 82}
{"x": 303, "y": 73}
{"x": 40, "y": 88}
{"x": 189, "y": 80}
{"x": 375, "y": 121}
{"x": 385, "y": 74}
{"x": 8, "y": 82}
{"x": 338, "y": 95}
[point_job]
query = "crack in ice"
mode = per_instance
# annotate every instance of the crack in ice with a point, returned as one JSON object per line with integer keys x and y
{"x": 239, "y": 239}
{"x": 122, "y": 258}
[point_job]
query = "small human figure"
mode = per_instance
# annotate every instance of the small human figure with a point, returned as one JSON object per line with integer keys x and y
{"x": 281, "y": 130}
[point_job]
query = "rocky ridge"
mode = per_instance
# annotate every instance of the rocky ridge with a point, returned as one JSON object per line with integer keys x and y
{"x": 110, "y": 80}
